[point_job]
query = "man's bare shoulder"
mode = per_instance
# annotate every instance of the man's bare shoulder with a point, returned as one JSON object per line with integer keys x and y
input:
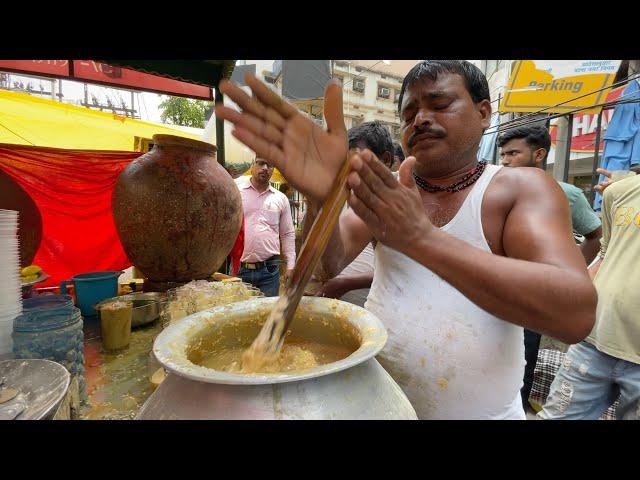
{"x": 525, "y": 181}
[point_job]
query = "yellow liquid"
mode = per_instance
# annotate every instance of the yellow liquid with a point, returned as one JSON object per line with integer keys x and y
{"x": 297, "y": 353}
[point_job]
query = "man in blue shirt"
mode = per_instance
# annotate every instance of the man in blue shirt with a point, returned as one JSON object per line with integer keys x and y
{"x": 528, "y": 146}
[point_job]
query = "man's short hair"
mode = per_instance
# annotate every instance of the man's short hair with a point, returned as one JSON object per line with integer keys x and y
{"x": 398, "y": 151}
{"x": 536, "y": 135}
{"x": 474, "y": 79}
{"x": 374, "y": 135}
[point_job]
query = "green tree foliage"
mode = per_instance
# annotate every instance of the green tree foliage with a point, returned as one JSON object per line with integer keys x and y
{"x": 183, "y": 111}
{"x": 237, "y": 169}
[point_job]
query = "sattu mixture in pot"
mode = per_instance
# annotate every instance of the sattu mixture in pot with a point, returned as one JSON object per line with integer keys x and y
{"x": 309, "y": 343}
{"x": 297, "y": 353}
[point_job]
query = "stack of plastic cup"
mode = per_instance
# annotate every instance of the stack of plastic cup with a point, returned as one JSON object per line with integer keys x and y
{"x": 10, "y": 294}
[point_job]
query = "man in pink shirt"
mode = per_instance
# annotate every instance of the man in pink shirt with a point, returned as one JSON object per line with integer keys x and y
{"x": 268, "y": 222}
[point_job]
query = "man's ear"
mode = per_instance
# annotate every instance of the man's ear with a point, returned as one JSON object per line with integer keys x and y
{"x": 539, "y": 155}
{"x": 484, "y": 108}
{"x": 387, "y": 159}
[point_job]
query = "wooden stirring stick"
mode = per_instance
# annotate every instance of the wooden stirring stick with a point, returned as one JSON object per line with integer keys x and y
{"x": 270, "y": 339}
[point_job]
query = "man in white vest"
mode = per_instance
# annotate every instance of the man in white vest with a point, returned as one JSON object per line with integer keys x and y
{"x": 468, "y": 253}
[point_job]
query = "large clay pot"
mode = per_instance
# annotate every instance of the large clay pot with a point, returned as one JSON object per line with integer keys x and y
{"x": 177, "y": 210}
{"x": 14, "y": 197}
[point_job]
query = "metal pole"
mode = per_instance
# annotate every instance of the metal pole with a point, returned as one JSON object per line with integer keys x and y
{"x": 567, "y": 153}
{"x": 219, "y": 131}
{"x": 596, "y": 153}
{"x": 547, "y": 125}
{"x": 495, "y": 144}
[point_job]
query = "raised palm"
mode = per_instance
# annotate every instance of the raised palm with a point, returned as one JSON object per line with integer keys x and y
{"x": 308, "y": 156}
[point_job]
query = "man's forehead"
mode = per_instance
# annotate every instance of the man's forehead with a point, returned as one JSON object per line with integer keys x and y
{"x": 515, "y": 144}
{"x": 444, "y": 83}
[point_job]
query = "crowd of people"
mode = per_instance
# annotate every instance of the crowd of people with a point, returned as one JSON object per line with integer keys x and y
{"x": 465, "y": 262}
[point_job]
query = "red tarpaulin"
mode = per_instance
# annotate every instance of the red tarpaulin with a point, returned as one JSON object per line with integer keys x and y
{"x": 72, "y": 189}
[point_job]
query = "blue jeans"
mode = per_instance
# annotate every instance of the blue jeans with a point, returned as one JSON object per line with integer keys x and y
{"x": 267, "y": 279}
{"x": 588, "y": 383}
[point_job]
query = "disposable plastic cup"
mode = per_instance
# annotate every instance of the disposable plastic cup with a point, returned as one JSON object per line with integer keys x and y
{"x": 115, "y": 323}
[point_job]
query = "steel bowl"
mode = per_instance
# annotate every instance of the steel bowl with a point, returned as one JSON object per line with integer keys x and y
{"x": 42, "y": 385}
{"x": 146, "y": 306}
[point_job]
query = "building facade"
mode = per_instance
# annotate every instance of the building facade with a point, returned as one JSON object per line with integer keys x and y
{"x": 371, "y": 89}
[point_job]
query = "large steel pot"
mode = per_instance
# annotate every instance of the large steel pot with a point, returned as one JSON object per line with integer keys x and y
{"x": 356, "y": 387}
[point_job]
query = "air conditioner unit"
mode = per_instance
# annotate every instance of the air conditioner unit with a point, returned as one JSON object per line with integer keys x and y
{"x": 384, "y": 92}
{"x": 358, "y": 85}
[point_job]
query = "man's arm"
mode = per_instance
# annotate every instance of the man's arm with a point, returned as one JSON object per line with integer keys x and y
{"x": 287, "y": 234}
{"x": 542, "y": 283}
{"x": 591, "y": 245}
{"x": 607, "y": 216}
{"x": 348, "y": 239}
{"x": 593, "y": 269}
{"x": 337, "y": 287}
{"x": 585, "y": 221}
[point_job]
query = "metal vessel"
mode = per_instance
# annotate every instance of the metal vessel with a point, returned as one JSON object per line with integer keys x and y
{"x": 41, "y": 385}
{"x": 356, "y": 387}
{"x": 146, "y": 306}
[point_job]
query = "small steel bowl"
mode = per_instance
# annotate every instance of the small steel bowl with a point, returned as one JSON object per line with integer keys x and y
{"x": 146, "y": 307}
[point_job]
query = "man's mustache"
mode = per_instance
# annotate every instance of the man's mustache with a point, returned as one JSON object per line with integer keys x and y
{"x": 428, "y": 132}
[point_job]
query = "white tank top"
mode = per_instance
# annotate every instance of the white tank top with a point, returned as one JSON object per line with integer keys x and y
{"x": 452, "y": 359}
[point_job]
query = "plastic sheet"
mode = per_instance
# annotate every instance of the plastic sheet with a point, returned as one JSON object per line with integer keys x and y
{"x": 72, "y": 189}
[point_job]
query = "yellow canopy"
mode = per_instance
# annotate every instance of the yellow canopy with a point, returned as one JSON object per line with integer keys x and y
{"x": 30, "y": 120}
{"x": 276, "y": 177}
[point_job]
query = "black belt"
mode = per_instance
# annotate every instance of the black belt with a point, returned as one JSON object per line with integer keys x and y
{"x": 259, "y": 265}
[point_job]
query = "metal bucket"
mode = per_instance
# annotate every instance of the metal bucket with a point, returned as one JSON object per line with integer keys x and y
{"x": 356, "y": 387}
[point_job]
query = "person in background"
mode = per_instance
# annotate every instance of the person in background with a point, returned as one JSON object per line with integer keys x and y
{"x": 353, "y": 283}
{"x": 398, "y": 157}
{"x": 236, "y": 252}
{"x": 606, "y": 365}
{"x": 528, "y": 146}
{"x": 267, "y": 223}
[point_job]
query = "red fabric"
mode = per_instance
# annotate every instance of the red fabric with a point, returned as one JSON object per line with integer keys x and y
{"x": 72, "y": 189}
{"x": 238, "y": 249}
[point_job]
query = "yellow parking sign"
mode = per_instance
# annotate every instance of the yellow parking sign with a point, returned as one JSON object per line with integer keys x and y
{"x": 558, "y": 86}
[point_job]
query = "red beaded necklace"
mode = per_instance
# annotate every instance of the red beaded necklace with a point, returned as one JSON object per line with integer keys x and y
{"x": 465, "y": 182}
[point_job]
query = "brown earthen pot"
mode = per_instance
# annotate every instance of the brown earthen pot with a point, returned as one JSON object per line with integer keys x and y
{"x": 14, "y": 197}
{"x": 177, "y": 210}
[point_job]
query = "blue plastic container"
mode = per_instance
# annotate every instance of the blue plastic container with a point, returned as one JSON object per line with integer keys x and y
{"x": 91, "y": 288}
{"x": 50, "y": 327}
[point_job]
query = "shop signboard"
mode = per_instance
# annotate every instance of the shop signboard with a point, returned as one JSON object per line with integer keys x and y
{"x": 104, "y": 74}
{"x": 583, "y": 135}
{"x": 558, "y": 86}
